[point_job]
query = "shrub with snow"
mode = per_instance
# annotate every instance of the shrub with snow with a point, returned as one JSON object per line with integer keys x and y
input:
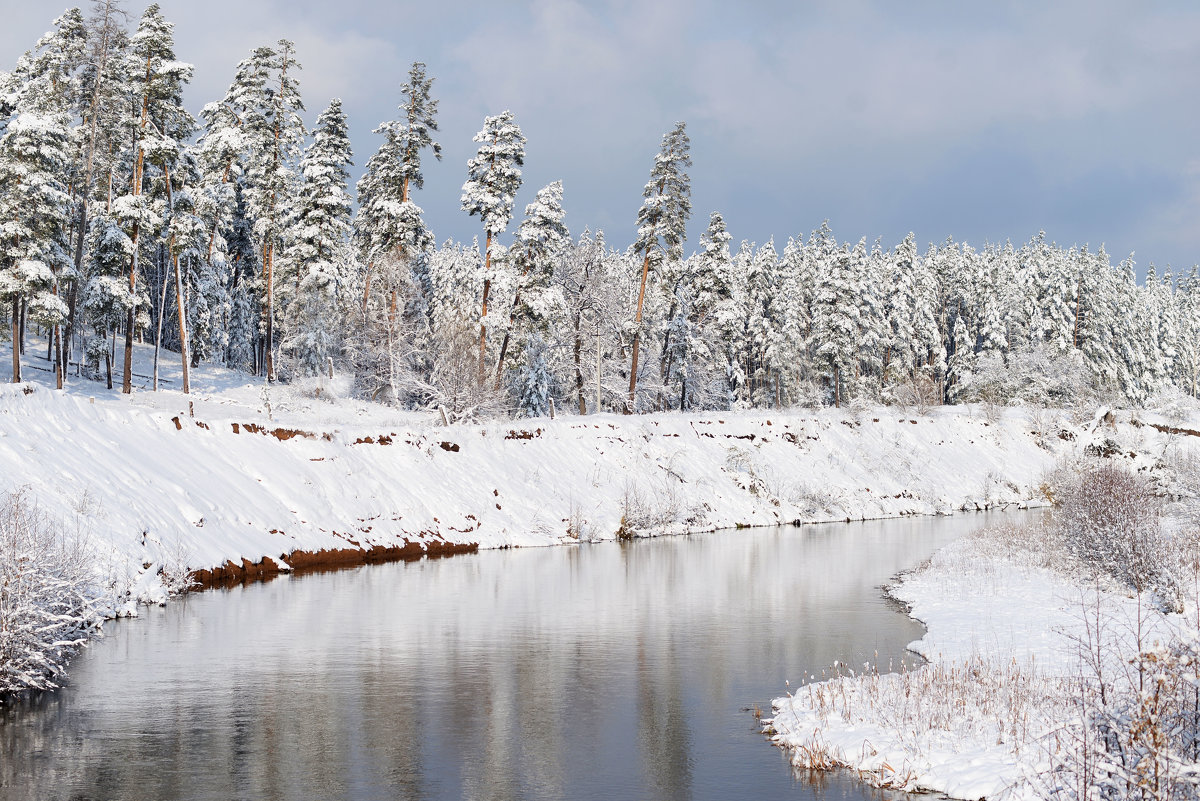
{"x": 1109, "y": 521}
{"x": 48, "y": 602}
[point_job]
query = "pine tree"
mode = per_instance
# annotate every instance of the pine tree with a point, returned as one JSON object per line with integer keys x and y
{"x": 662, "y": 224}
{"x": 710, "y": 283}
{"x": 761, "y": 325}
{"x": 535, "y": 381}
{"x": 265, "y": 98}
{"x": 317, "y": 255}
{"x": 105, "y": 295}
{"x": 36, "y": 156}
{"x": 103, "y": 88}
{"x": 540, "y": 238}
{"x": 836, "y": 324}
{"x": 160, "y": 125}
{"x": 962, "y": 359}
{"x": 383, "y": 222}
{"x": 493, "y": 178}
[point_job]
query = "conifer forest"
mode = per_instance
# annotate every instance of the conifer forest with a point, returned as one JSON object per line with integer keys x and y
{"x": 236, "y": 238}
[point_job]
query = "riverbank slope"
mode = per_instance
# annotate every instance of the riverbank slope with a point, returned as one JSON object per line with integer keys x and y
{"x": 239, "y": 479}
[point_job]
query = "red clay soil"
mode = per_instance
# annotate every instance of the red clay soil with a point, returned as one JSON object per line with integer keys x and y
{"x": 230, "y": 574}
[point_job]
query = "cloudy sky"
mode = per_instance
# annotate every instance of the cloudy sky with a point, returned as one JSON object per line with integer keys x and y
{"x": 984, "y": 122}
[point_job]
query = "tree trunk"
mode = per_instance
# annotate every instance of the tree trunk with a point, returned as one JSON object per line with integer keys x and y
{"x": 162, "y": 307}
{"x": 512, "y": 319}
{"x": 127, "y": 373}
{"x": 487, "y": 286}
{"x": 16, "y": 339}
{"x": 183, "y": 332}
{"x": 1078, "y": 308}
{"x": 637, "y": 333}
{"x": 367, "y": 285}
{"x": 59, "y": 368}
{"x": 269, "y": 311}
{"x": 578, "y": 356}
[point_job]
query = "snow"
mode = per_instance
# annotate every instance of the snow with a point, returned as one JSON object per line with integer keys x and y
{"x": 179, "y": 480}
{"x": 976, "y": 721}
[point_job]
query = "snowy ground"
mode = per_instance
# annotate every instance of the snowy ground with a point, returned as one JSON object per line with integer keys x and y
{"x": 239, "y": 471}
{"x": 990, "y": 711}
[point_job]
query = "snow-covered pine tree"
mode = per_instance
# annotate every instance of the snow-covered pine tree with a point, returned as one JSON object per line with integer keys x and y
{"x": 105, "y": 295}
{"x": 734, "y": 328}
{"x": 104, "y": 87}
{"x": 899, "y": 346}
{"x": 836, "y": 322}
{"x": 383, "y": 222}
{"x": 159, "y": 125}
{"x": 762, "y": 333}
{"x": 962, "y": 359}
{"x": 36, "y": 157}
{"x": 199, "y": 293}
{"x": 163, "y": 146}
{"x": 688, "y": 359}
{"x": 710, "y": 282}
{"x": 541, "y": 237}
{"x": 243, "y": 274}
{"x": 317, "y": 254}
{"x": 265, "y": 96}
{"x": 534, "y": 380}
{"x": 493, "y": 178}
{"x": 710, "y": 289}
{"x": 872, "y": 319}
{"x": 662, "y": 224}
{"x": 392, "y": 239}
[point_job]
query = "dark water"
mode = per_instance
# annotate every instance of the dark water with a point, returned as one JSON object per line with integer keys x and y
{"x": 614, "y": 671}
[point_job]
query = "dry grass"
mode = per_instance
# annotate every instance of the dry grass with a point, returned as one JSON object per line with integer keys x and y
{"x": 1008, "y": 704}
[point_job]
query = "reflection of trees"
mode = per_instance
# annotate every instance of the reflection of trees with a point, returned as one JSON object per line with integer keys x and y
{"x": 392, "y": 730}
{"x": 663, "y": 735}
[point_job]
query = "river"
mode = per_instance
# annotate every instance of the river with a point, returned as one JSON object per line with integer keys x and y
{"x": 608, "y": 671}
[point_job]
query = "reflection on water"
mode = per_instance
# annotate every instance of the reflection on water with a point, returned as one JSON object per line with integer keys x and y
{"x": 603, "y": 671}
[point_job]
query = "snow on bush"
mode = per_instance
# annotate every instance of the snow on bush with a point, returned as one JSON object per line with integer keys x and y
{"x": 1134, "y": 727}
{"x": 1108, "y": 520}
{"x": 48, "y": 603}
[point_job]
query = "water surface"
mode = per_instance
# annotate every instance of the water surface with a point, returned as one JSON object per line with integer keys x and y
{"x": 612, "y": 671}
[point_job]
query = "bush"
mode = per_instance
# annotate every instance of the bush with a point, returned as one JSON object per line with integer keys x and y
{"x": 48, "y": 603}
{"x": 1108, "y": 520}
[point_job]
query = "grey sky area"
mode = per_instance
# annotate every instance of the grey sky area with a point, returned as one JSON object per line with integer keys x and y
{"x": 981, "y": 121}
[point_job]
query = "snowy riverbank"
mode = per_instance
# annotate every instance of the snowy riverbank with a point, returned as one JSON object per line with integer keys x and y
{"x": 238, "y": 474}
{"x": 1016, "y": 630}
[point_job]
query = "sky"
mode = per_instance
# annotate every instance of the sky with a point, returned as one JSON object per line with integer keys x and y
{"x": 986, "y": 122}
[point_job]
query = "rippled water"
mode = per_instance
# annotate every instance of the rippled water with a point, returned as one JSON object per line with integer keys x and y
{"x": 613, "y": 671}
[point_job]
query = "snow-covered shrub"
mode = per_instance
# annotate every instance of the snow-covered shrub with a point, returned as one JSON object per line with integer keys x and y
{"x": 1135, "y": 733}
{"x": 1173, "y": 404}
{"x": 920, "y": 392}
{"x": 48, "y": 601}
{"x": 533, "y": 383}
{"x": 1108, "y": 520}
{"x": 1032, "y": 376}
